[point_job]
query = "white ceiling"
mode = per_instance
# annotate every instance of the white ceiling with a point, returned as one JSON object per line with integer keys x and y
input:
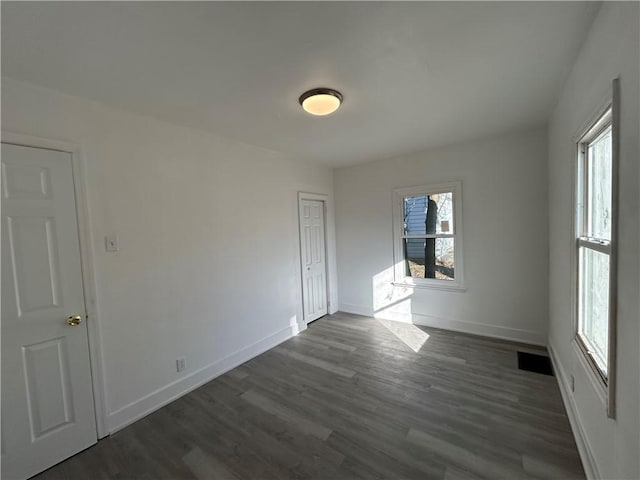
{"x": 414, "y": 75}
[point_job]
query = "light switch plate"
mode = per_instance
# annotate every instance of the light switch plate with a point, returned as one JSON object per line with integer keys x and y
{"x": 111, "y": 243}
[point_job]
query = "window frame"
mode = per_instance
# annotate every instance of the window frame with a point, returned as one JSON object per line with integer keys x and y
{"x": 585, "y": 241}
{"x": 400, "y": 278}
{"x": 607, "y": 116}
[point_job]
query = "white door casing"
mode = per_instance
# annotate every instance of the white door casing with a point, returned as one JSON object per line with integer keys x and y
{"x": 313, "y": 258}
{"x": 47, "y": 399}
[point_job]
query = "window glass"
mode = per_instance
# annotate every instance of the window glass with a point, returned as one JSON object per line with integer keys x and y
{"x": 594, "y": 303}
{"x": 430, "y": 258}
{"x": 599, "y": 187}
{"x": 428, "y": 214}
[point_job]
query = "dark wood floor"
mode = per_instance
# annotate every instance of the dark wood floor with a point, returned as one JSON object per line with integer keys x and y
{"x": 350, "y": 398}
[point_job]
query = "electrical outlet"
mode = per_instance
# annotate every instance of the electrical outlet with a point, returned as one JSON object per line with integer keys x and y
{"x": 573, "y": 383}
{"x": 181, "y": 364}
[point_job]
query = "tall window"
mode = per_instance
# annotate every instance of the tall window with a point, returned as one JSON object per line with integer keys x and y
{"x": 595, "y": 209}
{"x": 427, "y": 236}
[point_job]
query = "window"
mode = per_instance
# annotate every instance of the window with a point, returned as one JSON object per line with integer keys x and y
{"x": 427, "y": 243}
{"x": 595, "y": 209}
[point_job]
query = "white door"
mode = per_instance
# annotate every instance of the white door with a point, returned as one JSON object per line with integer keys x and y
{"x": 47, "y": 397}
{"x": 314, "y": 270}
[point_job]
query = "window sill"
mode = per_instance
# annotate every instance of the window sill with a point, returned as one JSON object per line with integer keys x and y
{"x": 451, "y": 288}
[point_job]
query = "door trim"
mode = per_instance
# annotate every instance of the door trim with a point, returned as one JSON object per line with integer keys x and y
{"x": 86, "y": 259}
{"x": 324, "y": 198}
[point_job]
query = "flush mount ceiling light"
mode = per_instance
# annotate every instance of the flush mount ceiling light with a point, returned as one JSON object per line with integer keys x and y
{"x": 320, "y": 101}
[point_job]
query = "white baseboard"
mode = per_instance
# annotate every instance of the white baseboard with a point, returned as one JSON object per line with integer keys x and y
{"x": 356, "y": 310}
{"x": 494, "y": 331}
{"x": 142, "y": 407}
{"x": 584, "y": 449}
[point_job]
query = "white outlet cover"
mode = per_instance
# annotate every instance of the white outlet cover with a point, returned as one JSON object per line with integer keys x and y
{"x": 181, "y": 364}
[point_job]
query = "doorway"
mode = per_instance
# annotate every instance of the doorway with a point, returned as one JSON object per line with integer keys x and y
{"x": 48, "y": 409}
{"x": 313, "y": 258}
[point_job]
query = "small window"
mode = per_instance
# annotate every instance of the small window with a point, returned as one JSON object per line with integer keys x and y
{"x": 427, "y": 236}
{"x": 595, "y": 208}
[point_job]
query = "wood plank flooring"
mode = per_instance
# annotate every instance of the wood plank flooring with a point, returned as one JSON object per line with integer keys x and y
{"x": 351, "y": 398}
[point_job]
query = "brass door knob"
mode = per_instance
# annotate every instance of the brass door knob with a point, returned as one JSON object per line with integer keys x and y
{"x": 74, "y": 320}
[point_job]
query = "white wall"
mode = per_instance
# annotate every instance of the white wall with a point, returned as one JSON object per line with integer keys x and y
{"x": 209, "y": 252}
{"x": 610, "y": 448}
{"x": 504, "y": 189}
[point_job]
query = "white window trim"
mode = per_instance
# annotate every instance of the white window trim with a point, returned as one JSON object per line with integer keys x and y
{"x": 605, "y": 387}
{"x": 400, "y": 279}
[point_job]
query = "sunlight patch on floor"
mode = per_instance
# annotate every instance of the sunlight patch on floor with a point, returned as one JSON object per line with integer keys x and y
{"x": 412, "y": 336}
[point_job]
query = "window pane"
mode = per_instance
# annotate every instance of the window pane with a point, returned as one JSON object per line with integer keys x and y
{"x": 599, "y": 187}
{"x": 593, "y": 310}
{"x": 429, "y": 258}
{"x": 428, "y": 214}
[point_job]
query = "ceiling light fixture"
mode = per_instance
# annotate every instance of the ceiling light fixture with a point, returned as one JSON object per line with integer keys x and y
{"x": 320, "y": 101}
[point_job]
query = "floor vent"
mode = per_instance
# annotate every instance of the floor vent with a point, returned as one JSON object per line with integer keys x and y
{"x": 535, "y": 363}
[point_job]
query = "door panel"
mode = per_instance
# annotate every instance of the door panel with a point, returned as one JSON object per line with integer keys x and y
{"x": 47, "y": 399}
{"x": 35, "y": 263}
{"x": 47, "y": 370}
{"x": 26, "y": 181}
{"x": 314, "y": 281}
